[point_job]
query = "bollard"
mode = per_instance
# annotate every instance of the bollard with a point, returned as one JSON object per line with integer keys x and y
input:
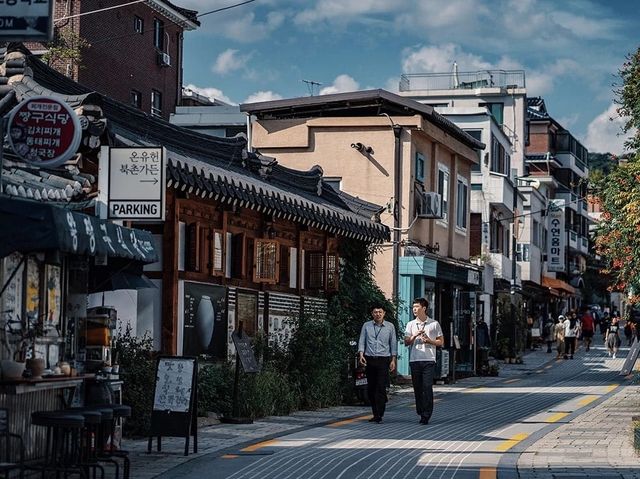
{"x": 636, "y": 431}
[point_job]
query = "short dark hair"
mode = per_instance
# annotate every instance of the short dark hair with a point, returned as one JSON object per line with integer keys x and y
{"x": 376, "y": 306}
{"x": 421, "y": 302}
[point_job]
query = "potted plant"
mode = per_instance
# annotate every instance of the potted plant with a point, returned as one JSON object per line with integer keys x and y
{"x": 19, "y": 337}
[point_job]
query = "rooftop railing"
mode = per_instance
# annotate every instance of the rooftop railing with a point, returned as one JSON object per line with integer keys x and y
{"x": 462, "y": 80}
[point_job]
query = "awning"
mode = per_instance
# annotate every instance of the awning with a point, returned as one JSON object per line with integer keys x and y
{"x": 558, "y": 284}
{"x": 28, "y": 226}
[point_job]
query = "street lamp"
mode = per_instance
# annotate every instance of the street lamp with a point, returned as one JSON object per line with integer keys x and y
{"x": 514, "y": 246}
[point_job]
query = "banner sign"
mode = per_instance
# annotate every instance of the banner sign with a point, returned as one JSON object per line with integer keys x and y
{"x": 44, "y": 131}
{"x": 22, "y": 20}
{"x": 557, "y": 237}
{"x": 136, "y": 183}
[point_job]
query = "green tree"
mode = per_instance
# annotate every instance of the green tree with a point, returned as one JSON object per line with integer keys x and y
{"x": 617, "y": 238}
{"x": 66, "y": 47}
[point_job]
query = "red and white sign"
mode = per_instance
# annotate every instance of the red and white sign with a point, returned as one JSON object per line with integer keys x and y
{"x": 44, "y": 131}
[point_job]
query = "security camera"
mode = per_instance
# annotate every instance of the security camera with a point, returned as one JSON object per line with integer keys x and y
{"x": 358, "y": 146}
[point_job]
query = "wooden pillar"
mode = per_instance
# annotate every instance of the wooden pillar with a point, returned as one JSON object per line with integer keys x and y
{"x": 170, "y": 250}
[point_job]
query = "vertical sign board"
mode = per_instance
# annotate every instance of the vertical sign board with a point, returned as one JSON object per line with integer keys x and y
{"x": 22, "y": 20}
{"x": 175, "y": 395}
{"x": 557, "y": 236}
{"x": 632, "y": 357}
{"x": 136, "y": 184}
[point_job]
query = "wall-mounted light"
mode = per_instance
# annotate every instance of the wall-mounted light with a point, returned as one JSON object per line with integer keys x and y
{"x": 362, "y": 148}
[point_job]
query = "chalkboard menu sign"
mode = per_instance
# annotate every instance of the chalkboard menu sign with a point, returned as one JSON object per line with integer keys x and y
{"x": 174, "y": 401}
{"x": 245, "y": 352}
{"x": 632, "y": 357}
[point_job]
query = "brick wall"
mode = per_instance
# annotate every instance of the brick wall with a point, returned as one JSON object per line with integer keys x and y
{"x": 538, "y": 139}
{"x": 120, "y": 60}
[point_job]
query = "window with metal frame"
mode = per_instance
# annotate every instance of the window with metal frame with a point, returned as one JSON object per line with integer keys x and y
{"x": 156, "y": 103}
{"x": 138, "y": 24}
{"x": 333, "y": 271}
{"x": 136, "y": 98}
{"x": 443, "y": 189}
{"x": 462, "y": 207}
{"x": 419, "y": 167}
{"x": 158, "y": 34}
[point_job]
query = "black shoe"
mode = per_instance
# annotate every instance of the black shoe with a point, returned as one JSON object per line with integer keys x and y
{"x": 424, "y": 420}
{"x": 373, "y": 419}
{"x": 565, "y": 357}
{"x": 571, "y": 357}
{"x": 378, "y": 420}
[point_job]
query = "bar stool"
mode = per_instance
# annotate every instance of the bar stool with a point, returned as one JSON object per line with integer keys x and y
{"x": 100, "y": 433}
{"x": 63, "y": 447}
{"x": 120, "y": 411}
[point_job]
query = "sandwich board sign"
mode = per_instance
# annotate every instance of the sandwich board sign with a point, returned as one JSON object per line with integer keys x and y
{"x": 136, "y": 183}
{"x": 22, "y": 20}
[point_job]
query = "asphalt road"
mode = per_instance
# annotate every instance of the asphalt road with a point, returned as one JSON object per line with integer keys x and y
{"x": 475, "y": 432}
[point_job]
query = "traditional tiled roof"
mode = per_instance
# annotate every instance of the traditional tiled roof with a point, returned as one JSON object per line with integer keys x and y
{"x": 212, "y": 167}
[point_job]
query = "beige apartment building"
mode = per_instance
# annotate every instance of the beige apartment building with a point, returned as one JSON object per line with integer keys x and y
{"x": 396, "y": 152}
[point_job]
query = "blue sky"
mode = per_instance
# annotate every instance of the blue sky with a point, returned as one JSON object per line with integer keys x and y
{"x": 570, "y": 49}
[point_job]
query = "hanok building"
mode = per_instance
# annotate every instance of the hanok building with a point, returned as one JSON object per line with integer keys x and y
{"x": 395, "y": 151}
{"x": 244, "y": 238}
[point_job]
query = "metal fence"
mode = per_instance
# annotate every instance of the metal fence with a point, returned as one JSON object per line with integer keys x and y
{"x": 462, "y": 80}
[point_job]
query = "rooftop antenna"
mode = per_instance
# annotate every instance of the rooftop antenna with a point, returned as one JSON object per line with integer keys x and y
{"x": 311, "y": 86}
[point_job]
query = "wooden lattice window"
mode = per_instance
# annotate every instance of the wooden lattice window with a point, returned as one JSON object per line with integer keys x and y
{"x": 333, "y": 270}
{"x": 266, "y": 265}
{"x": 217, "y": 253}
{"x": 314, "y": 269}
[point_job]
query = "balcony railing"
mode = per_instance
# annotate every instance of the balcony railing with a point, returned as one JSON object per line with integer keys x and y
{"x": 462, "y": 80}
{"x": 566, "y": 143}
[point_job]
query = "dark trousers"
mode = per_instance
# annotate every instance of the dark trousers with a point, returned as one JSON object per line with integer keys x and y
{"x": 422, "y": 379}
{"x": 377, "y": 379}
{"x": 569, "y": 345}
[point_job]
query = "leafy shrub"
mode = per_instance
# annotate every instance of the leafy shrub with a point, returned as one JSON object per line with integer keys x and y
{"x": 215, "y": 389}
{"x": 137, "y": 370}
{"x": 268, "y": 393}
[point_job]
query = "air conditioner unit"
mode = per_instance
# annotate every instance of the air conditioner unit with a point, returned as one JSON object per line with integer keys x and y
{"x": 164, "y": 59}
{"x": 431, "y": 206}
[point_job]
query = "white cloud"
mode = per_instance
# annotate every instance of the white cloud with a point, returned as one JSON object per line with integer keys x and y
{"x": 229, "y": 61}
{"x": 262, "y": 96}
{"x": 342, "y": 83}
{"x": 440, "y": 58}
{"x": 604, "y": 133}
{"x": 211, "y": 93}
{"x": 247, "y": 29}
{"x": 341, "y": 11}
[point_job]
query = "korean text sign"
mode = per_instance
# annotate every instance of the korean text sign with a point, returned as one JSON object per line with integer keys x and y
{"x": 44, "y": 131}
{"x": 26, "y": 20}
{"x": 136, "y": 183}
{"x": 557, "y": 236}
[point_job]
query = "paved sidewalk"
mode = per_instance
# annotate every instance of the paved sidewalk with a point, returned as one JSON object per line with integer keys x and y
{"x": 600, "y": 438}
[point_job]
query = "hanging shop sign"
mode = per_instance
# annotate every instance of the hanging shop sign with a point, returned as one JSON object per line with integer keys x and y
{"x": 44, "y": 131}
{"x": 22, "y": 20}
{"x": 136, "y": 183}
{"x": 557, "y": 236}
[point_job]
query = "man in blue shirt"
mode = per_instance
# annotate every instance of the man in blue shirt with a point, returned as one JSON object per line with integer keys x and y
{"x": 378, "y": 348}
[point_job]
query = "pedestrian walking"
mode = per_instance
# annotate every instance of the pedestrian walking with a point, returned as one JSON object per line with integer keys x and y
{"x": 587, "y": 325}
{"x": 612, "y": 338}
{"x": 570, "y": 334}
{"x": 423, "y": 335}
{"x": 628, "y": 332}
{"x": 558, "y": 333}
{"x": 378, "y": 349}
{"x": 548, "y": 333}
{"x": 604, "y": 324}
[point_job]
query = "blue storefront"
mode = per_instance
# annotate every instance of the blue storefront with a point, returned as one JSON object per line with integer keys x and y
{"x": 451, "y": 288}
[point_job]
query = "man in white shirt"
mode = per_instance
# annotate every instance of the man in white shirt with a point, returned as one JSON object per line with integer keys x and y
{"x": 423, "y": 335}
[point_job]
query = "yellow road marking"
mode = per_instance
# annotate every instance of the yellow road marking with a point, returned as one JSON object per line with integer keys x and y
{"x": 557, "y": 416}
{"x": 350, "y": 421}
{"x": 612, "y": 387}
{"x": 229, "y": 456}
{"x": 509, "y": 443}
{"x": 260, "y": 445}
{"x": 587, "y": 400}
{"x": 487, "y": 473}
{"x": 512, "y": 380}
